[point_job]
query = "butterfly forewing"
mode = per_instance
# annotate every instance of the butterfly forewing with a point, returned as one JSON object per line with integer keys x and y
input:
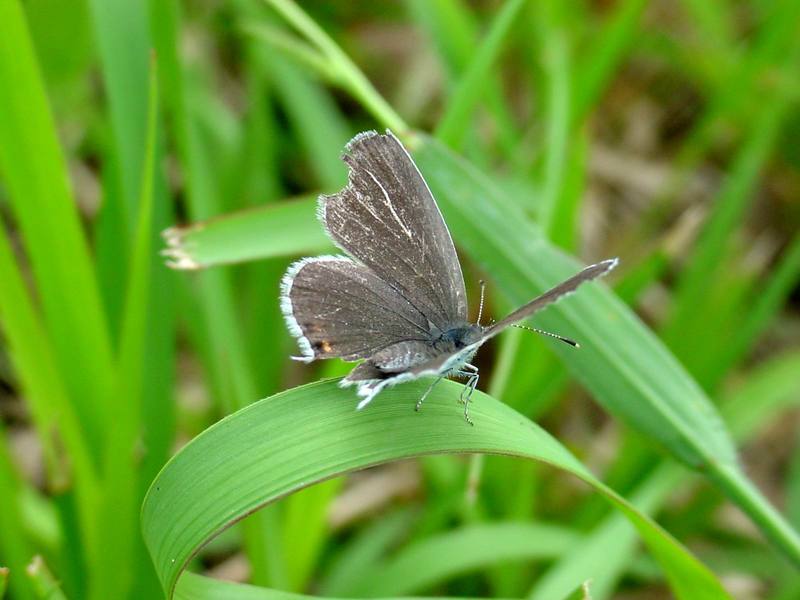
{"x": 562, "y": 289}
{"x": 387, "y": 219}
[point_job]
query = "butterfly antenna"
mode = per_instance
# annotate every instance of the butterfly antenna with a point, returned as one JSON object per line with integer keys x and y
{"x": 480, "y": 307}
{"x": 561, "y": 338}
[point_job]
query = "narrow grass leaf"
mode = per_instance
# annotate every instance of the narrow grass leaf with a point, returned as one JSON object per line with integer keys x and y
{"x": 197, "y": 587}
{"x": 316, "y": 120}
{"x": 45, "y": 585}
{"x": 764, "y": 303}
{"x": 15, "y": 548}
{"x": 305, "y": 527}
{"x": 35, "y": 176}
{"x": 34, "y": 359}
{"x": 470, "y": 88}
{"x": 766, "y": 393}
{"x": 592, "y": 559}
{"x": 114, "y": 571}
{"x": 363, "y": 552}
{"x": 120, "y": 29}
{"x": 350, "y": 76}
{"x": 557, "y": 69}
{"x": 247, "y": 235}
{"x": 434, "y": 560}
{"x": 727, "y": 214}
{"x": 452, "y": 27}
{"x": 607, "y": 51}
{"x": 301, "y": 52}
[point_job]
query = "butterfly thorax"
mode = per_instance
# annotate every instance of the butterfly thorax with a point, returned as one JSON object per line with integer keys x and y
{"x": 407, "y": 354}
{"x": 458, "y": 337}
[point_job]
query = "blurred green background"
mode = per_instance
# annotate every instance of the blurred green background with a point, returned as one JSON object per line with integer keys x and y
{"x": 665, "y": 133}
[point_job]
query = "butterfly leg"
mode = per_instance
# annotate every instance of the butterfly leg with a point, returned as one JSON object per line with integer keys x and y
{"x": 471, "y": 372}
{"x": 428, "y": 391}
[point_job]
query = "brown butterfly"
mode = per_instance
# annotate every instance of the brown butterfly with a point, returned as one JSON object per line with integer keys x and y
{"x": 397, "y": 299}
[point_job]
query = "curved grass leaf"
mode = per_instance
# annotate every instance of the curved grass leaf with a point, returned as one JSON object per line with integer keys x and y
{"x": 625, "y": 366}
{"x": 312, "y": 433}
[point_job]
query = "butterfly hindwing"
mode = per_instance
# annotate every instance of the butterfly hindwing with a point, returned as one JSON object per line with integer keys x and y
{"x": 337, "y": 308}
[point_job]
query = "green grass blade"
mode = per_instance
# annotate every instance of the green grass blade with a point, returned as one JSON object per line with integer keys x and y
{"x": 556, "y": 62}
{"x": 33, "y": 357}
{"x": 305, "y": 528}
{"x": 363, "y": 552}
{"x": 301, "y": 52}
{"x": 607, "y": 50}
{"x": 767, "y": 391}
{"x": 35, "y": 177}
{"x": 196, "y": 587}
{"x": 245, "y": 236}
{"x": 248, "y": 460}
{"x": 728, "y": 211}
{"x": 353, "y": 79}
{"x": 452, "y": 27}
{"x": 45, "y": 585}
{"x": 765, "y": 302}
{"x": 626, "y": 367}
{"x": 453, "y": 125}
{"x": 120, "y": 29}
{"x": 114, "y": 571}
{"x": 15, "y": 548}
{"x": 764, "y": 396}
{"x": 431, "y": 561}
{"x": 313, "y": 116}
{"x": 122, "y": 32}
{"x": 593, "y": 559}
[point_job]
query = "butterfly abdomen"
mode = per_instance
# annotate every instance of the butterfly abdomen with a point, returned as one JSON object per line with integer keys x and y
{"x": 403, "y": 355}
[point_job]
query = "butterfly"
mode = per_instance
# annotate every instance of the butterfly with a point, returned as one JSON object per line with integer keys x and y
{"x": 397, "y": 298}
